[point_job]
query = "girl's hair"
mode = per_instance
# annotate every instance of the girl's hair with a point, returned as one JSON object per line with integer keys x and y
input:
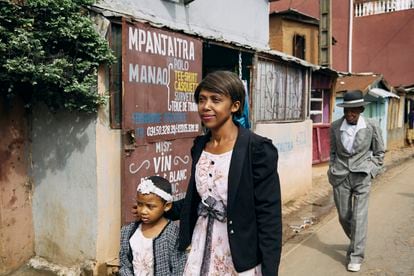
{"x": 161, "y": 183}
{"x": 226, "y": 83}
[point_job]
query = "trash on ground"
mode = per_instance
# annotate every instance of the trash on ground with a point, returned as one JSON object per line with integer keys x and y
{"x": 307, "y": 221}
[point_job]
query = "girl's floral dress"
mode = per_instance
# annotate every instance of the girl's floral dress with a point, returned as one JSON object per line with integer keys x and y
{"x": 142, "y": 253}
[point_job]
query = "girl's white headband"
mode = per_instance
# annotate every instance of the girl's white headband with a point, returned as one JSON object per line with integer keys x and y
{"x": 147, "y": 186}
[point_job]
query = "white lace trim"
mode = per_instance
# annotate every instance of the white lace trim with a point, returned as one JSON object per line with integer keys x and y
{"x": 147, "y": 186}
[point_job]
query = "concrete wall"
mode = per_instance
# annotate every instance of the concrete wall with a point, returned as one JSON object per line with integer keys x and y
{"x": 245, "y": 22}
{"x": 77, "y": 175}
{"x": 16, "y": 226}
{"x": 65, "y": 186}
{"x": 282, "y": 33}
{"x": 108, "y": 165}
{"x": 294, "y": 143}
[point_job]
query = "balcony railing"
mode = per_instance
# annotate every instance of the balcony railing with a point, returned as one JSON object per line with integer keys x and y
{"x": 365, "y": 8}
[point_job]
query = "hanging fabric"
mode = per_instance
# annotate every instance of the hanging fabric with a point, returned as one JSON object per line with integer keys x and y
{"x": 243, "y": 120}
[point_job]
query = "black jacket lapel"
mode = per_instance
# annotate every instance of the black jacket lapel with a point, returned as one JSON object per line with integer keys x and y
{"x": 236, "y": 164}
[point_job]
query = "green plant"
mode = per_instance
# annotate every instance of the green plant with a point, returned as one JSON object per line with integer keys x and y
{"x": 50, "y": 52}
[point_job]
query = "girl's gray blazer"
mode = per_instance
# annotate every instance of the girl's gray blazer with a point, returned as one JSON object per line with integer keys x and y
{"x": 254, "y": 221}
{"x": 167, "y": 259}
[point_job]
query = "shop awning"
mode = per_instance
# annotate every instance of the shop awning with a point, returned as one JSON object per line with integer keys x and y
{"x": 379, "y": 92}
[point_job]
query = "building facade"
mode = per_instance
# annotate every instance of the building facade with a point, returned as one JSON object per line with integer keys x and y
{"x": 84, "y": 167}
{"x": 294, "y": 33}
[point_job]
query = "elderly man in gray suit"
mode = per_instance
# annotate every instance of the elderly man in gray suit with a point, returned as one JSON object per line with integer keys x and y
{"x": 357, "y": 154}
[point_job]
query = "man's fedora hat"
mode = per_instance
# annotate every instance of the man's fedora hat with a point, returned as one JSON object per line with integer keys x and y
{"x": 353, "y": 98}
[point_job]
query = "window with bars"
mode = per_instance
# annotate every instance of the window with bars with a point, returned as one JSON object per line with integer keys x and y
{"x": 280, "y": 92}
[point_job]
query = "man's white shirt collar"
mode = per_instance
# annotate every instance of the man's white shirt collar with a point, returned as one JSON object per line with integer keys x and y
{"x": 348, "y": 132}
{"x": 360, "y": 125}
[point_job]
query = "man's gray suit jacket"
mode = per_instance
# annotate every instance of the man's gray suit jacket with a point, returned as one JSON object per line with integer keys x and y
{"x": 367, "y": 156}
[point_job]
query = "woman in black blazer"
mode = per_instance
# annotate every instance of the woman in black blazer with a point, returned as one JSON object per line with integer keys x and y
{"x": 245, "y": 203}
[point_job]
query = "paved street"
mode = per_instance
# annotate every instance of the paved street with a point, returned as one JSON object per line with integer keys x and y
{"x": 390, "y": 245}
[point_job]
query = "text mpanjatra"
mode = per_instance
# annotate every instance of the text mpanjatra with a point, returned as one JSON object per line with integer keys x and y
{"x": 180, "y": 50}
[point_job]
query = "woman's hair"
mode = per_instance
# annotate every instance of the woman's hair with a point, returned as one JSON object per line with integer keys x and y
{"x": 226, "y": 83}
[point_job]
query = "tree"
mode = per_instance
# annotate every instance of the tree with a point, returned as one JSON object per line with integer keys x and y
{"x": 50, "y": 52}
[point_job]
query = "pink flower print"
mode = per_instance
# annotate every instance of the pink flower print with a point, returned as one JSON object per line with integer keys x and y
{"x": 145, "y": 263}
{"x": 203, "y": 173}
{"x": 222, "y": 266}
{"x": 220, "y": 186}
{"x": 203, "y": 166}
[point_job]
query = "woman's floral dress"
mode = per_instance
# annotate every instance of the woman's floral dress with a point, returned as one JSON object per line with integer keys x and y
{"x": 211, "y": 178}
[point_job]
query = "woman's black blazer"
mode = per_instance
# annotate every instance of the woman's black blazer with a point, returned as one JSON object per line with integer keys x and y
{"x": 254, "y": 221}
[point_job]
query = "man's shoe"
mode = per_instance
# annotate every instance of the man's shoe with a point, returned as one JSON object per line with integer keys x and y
{"x": 354, "y": 267}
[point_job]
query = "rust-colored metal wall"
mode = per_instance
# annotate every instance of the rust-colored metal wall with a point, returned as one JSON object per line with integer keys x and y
{"x": 16, "y": 227}
{"x": 160, "y": 120}
{"x": 384, "y": 43}
{"x": 340, "y": 34}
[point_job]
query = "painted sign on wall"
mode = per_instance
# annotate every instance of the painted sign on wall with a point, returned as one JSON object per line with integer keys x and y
{"x": 161, "y": 70}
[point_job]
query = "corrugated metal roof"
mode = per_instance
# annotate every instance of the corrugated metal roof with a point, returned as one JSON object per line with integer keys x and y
{"x": 308, "y": 7}
{"x": 381, "y": 93}
{"x": 108, "y": 13}
{"x": 293, "y": 14}
{"x": 409, "y": 88}
{"x": 294, "y": 59}
{"x": 357, "y": 81}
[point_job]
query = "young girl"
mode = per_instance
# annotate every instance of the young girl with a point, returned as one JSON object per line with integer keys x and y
{"x": 231, "y": 214}
{"x": 149, "y": 247}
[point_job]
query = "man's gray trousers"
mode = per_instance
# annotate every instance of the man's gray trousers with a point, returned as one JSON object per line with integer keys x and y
{"x": 351, "y": 200}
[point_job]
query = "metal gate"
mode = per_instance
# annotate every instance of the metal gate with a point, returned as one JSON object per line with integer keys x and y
{"x": 161, "y": 69}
